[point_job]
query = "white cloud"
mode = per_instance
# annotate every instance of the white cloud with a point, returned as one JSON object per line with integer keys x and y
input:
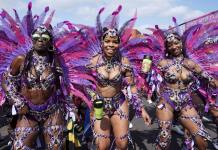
{"x": 183, "y": 12}
{"x": 192, "y": 15}
{"x": 61, "y": 4}
{"x": 9, "y": 5}
{"x": 175, "y": 11}
{"x": 153, "y": 8}
{"x": 150, "y": 12}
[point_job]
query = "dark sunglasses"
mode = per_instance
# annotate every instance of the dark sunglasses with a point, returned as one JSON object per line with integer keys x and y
{"x": 43, "y": 37}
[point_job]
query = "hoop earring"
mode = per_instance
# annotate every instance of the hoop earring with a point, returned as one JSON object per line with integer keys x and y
{"x": 167, "y": 54}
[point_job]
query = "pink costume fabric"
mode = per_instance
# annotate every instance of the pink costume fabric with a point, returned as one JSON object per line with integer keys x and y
{"x": 90, "y": 46}
{"x": 198, "y": 47}
{"x": 15, "y": 39}
{"x": 200, "y": 44}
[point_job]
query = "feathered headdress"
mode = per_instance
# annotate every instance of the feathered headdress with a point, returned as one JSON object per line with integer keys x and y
{"x": 15, "y": 38}
{"x": 91, "y": 42}
{"x": 195, "y": 40}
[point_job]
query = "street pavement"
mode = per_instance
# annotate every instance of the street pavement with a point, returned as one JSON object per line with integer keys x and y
{"x": 143, "y": 136}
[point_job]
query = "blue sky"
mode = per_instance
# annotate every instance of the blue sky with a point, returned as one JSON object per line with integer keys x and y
{"x": 150, "y": 12}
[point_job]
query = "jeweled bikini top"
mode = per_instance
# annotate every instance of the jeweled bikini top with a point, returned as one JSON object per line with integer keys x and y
{"x": 39, "y": 65}
{"x": 170, "y": 76}
{"x": 117, "y": 79}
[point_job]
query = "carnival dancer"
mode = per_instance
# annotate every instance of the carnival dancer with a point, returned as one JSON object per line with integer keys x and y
{"x": 114, "y": 88}
{"x": 175, "y": 95}
{"x": 179, "y": 71}
{"x": 36, "y": 81}
{"x": 204, "y": 37}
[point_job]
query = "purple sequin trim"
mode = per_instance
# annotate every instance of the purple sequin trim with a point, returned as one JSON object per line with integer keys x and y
{"x": 113, "y": 103}
{"x": 52, "y": 100}
{"x": 177, "y": 99}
